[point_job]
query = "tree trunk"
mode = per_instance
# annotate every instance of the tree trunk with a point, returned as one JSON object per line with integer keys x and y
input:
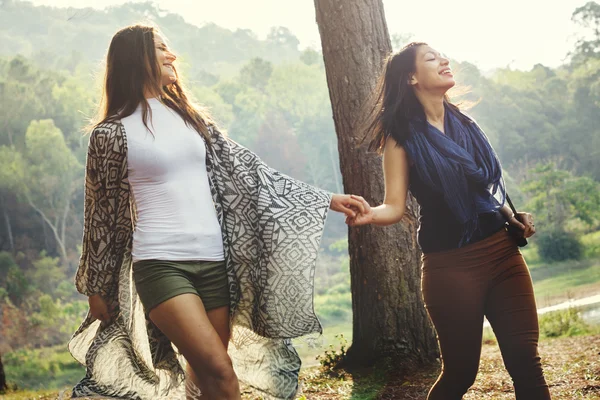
{"x": 54, "y": 227}
{"x": 3, "y": 386}
{"x": 7, "y": 224}
{"x": 389, "y": 316}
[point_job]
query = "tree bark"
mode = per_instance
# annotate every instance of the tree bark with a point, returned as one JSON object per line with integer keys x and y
{"x": 338, "y": 187}
{"x": 389, "y": 316}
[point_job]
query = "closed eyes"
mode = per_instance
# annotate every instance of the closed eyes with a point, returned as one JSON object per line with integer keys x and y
{"x": 431, "y": 55}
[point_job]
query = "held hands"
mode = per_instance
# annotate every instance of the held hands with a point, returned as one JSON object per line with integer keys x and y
{"x": 523, "y": 221}
{"x": 346, "y": 204}
{"x": 357, "y": 210}
{"x": 364, "y": 217}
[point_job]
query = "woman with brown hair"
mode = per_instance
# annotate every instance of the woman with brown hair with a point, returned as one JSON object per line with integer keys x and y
{"x": 471, "y": 265}
{"x": 190, "y": 240}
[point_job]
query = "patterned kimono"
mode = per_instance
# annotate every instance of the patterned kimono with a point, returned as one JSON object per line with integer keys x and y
{"x": 271, "y": 224}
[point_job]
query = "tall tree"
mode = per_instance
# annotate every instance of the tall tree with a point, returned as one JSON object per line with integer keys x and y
{"x": 389, "y": 316}
{"x": 3, "y": 386}
{"x": 46, "y": 176}
{"x": 588, "y": 44}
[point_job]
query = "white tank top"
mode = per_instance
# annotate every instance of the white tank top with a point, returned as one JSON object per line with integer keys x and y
{"x": 177, "y": 220}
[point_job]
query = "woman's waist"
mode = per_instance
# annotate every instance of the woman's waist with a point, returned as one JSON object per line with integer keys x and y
{"x": 175, "y": 212}
{"x": 486, "y": 252}
{"x": 439, "y": 233}
{"x": 177, "y": 242}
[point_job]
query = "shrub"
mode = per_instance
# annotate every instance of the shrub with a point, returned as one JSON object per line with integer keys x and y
{"x": 591, "y": 244}
{"x": 51, "y": 368}
{"x": 331, "y": 358}
{"x": 557, "y": 245}
{"x": 563, "y": 323}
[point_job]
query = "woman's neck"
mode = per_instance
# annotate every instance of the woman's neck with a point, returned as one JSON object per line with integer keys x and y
{"x": 149, "y": 94}
{"x": 433, "y": 106}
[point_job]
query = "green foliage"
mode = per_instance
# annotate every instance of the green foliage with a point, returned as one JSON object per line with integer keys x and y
{"x": 591, "y": 244}
{"x": 339, "y": 247}
{"x": 48, "y": 368}
{"x": 6, "y": 263}
{"x": 333, "y": 300}
{"x": 563, "y": 323}
{"x": 51, "y": 166}
{"x": 221, "y": 111}
{"x": 559, "y": 245}
{"x": 58, "y": 37}
{"x": 17, "y": 285}
{"x": 47, "y": 273}
{"x": 13, "y": 282}
{"x": 11, "y": 169}
{"x": 532, "y": 255}
{"x": 47, "y": 178}
{"x": 256, "y": 73}
{"x": 558, "y": 195}
{"x": 584, "y": 196}
{"x": 311, "y": 57}
{"x": 562, "y": 204}
{"x": 588, "y": 46}
{"x": 335, "y": 306}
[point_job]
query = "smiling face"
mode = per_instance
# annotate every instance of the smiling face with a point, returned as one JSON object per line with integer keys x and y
{"x": 432, "y": 71}
{"x": 165, "y": 60}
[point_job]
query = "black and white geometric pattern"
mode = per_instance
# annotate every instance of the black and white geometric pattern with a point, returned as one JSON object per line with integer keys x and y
{"x": 272, "y": 225}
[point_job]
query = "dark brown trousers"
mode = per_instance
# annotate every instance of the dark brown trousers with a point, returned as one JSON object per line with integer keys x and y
{"x": 461, "y": 286}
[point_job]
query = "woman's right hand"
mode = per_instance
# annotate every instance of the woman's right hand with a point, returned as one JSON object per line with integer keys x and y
{"x": 98, "y": 308}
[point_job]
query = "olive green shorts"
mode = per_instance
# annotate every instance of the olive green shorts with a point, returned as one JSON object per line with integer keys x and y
{"x": 157, "y": 281}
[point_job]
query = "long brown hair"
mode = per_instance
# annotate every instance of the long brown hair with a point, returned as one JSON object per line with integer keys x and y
{"x": 394, "y": 103}
{"x": 131, "y": 70}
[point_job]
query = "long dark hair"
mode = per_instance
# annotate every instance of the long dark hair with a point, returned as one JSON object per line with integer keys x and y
{"x": 131, "y": 69}
{"x": 393, "y": 103}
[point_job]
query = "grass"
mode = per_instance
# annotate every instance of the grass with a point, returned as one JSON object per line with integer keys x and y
{"x": 563, "y": 281}
{"x": 53, "y": 368}
{"x": 359, "y": 386}
{"x": 37, "y": 395}
{"x": 571, "y": 366}
{"x": 316, "y": 384}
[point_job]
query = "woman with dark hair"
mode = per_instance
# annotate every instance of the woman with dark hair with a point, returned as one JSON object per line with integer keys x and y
{"x": 471, "y": 265}
{"x": 190, "y": 240}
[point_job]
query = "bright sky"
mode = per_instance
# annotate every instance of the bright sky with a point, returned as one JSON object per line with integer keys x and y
{"x": 519, "y": 33}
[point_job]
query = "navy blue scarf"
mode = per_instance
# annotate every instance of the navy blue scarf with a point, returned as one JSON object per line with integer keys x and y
{"x": 460, "y": 164}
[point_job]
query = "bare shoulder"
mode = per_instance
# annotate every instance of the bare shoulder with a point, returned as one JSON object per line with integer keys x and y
{"x": 393, "y": 149}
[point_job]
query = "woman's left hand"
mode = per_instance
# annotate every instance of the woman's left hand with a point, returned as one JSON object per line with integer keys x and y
{"x": 523, "y": 221}
{"x": 344, "y": 203}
